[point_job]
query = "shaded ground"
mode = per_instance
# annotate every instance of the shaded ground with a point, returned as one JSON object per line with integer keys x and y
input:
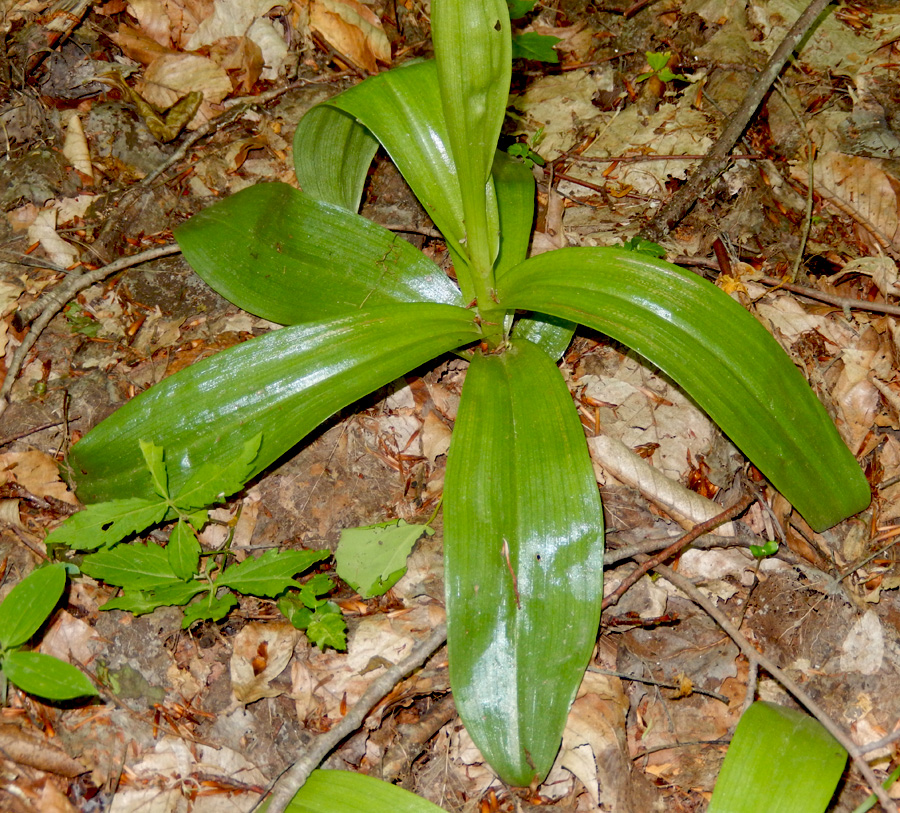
{"x": 168, "y": 732}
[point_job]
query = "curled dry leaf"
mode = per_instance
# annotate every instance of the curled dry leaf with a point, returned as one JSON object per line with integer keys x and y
{"x": 75, "y": 147}
{"x": 36, "y": 751}
{"x": 36, "y": 472}
{"x": 261, "y": 652}
{"x": 43, "y": 230}
{"x": 352, "y": 30}
{"x": 863, "y": 648}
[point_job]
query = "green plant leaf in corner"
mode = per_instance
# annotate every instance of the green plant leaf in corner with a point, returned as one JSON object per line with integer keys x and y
{"x": 29, "y": 603}
{"x": 347, "y": 792}
{"x": 780, "y": 760}
{"x": 372, "y": 559}
{"x": 46, "y": 676}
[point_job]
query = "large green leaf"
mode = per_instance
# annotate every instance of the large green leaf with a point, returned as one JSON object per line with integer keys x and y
{"x": 523, "y": 557}
{"x": 291, "y": 258}
{"x": 473, "y": 52}
{"x": 514, "y": 186}
{"x": 717, "y": 351}
{"x": 29, "y": 603}
{"x": 780, "y": 760}
{"x": 282, "y": 385}
{"x": 400, "y": 109}
{"x": 347, "y": 792}
{"x": 332, "y": 155}
{"x": 46, "y": 676}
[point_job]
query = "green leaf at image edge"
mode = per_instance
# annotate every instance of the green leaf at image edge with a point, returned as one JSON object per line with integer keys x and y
{"x": 329, "y": 791}
{"x": 29, "y": 604}
{"x": 46, "y": 676}
{"x": 523, "y": 559}
{"x": 740, "y": 375}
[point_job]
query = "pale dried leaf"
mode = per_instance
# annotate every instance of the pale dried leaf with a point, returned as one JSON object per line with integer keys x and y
{"x": 435, "y": 437}
{"x": 9, "y": 513}
{"x": 75, "y": 146}
{"x": 69, "y": 639}
{"x": 863, "y": 648}
{"x": 261, "y": 652}
{"x": 10, "y": 291}
{"x": 36, "y": 751}
{"x": 43, "y": 230}
{"x": 352, "y": 30}
{"x": 152, "y": 19}
{"x": 137, "y": 45}
{"x": 38, "y": 473}
{"x": 269, "y": 37}
{"x": 230, "y": 18}
{"x": 684, "y": 506}
{"x": 172, "y": 76}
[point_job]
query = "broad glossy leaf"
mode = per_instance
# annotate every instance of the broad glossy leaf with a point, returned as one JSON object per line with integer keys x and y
{"x": 281, "y": 385}
{"x": 290, "y": 258}
{"x": 29, "y": 603}
{"x": 346, "y": 792}
{"x": 717, "y": 351}
{"x": 523, "y": 558}
{"x": 514, "y": 187}
{"x": 473, "y": 53}
{"x": 780, "y": 760}
{"x": 46, "y": 676}
{"x": 552, "y": 334}
{"x": 332, "y": 155}
{"x": 400, "y": 109}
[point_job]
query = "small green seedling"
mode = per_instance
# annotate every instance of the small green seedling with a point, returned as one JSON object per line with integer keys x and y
{"x": 659, "y": 68}
{"x": 760, "y": 552}
{"x": 22, "y": 614}
{"x": 155, "y": 576}
{"x": 643, "y": 246}
{"x": 526, "y": 151}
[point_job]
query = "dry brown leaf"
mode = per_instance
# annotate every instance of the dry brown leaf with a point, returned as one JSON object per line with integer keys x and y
{"x": 854, "y": 394}
{"x": 28, "y": 748}
{"x": 75, "y": 147}
{"x": 137, "y": 45}
{"x": 153, "y": 20}
{"x": 435, "y": 437}
{"x": 352, "y": 30}
{"x": 43, "y": 231}
{"x": 261, "y": 652}
{"x": 241, "y": 57}
{"x": 37, "y": 472}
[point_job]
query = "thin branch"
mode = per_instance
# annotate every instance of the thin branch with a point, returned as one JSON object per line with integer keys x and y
{"x": 681, "y": 202}
{"x": 292, "y": 779}
{"x": 688, "y": 588}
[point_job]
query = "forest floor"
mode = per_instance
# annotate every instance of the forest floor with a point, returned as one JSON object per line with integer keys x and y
{"x": 803, "y": 230}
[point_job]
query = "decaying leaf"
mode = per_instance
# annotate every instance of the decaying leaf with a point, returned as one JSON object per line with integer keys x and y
{"x": 36, "y": 472}
{"x": 261, "y": 652}
{"x": 75, "y": 147}
{"x": 352, "y": 30}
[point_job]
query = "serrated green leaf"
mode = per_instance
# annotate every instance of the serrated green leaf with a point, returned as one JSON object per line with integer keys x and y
{"x": 282, "y": 384}
{"x": 294, "y": 609}
{"x": 319, "y": 584}
{"x": 211, "y": 483}
{"x": 154, "y": 458}
{"x": 523, "y": 554}
{"x": 139, "y": 602}
{"x": 327, "y": 629}
{"x": 209, "y": 609}
{"x": 141, "y": 566}
{"x": 46, "y": 676}
{"x": 29, "y": 604}
{"x": 346, "y": 792}
{"x": 519, "y": 8}
{"x": 740, "y": 376}
{"x": 290, "y": 258}
{"x": 183, "y": 551}
{"x": 780, "y": 760}
{"x": 372, "y": 559}
{"x": 104, "y": 524}
{"x": 532, "y": 45}
{"x": 271, "y": 573}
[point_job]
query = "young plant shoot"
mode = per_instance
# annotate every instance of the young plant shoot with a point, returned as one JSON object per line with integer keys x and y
{"x": 523, "y": 529}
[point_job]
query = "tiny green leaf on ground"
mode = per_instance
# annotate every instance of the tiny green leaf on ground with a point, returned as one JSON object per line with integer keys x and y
{"x": 29, "y": 603}
{"x": 46, "y": 676}
{"x": 372, "y": 559}
{"x": 269, "y": 574}
{"x": 327, "y": 627}
{"x": 209, "y": 609}
{"x": 535, "y": 46}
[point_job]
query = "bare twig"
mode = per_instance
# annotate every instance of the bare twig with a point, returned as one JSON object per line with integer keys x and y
{"x": 622, "y": 676}
{"x": 54, "y": 301}
{"x": 678, "y": 545}
{"x": 688, "y": 588}
{"x": 287, "y": 785}
{"x": 680, "y": 203}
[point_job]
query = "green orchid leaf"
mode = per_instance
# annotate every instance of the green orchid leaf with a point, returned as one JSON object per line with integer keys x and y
{"x": 269, "y": 574}
{"x": 398, "y": 107}
{"x": 552, "y": 334}
{"x": 289, "y": 258}
{"x": 135, "y": 567}
{"x": 345, "y": 792}
{"x": 717, "y": 351}
{"x": 780, "y": 760}
{"x": 108, "y": 523}
{"x": 532, "y": 45}
{"x": 281, "y": 385}
{"x": 514, "y": 187}
{"x": 46, "y": 676}
{"x": 332, "y": 155}
{"x": 474, "y": 65}
{"x": 183, "y": 551}
{"x": 523, "y": 556}
{"x": 29, "y": 603}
